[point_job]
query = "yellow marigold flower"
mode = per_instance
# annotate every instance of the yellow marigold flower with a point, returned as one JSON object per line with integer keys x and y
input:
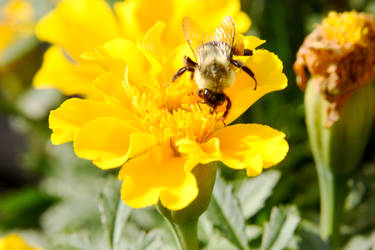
{"x": 76, "y": 26}
{"x": 15, "y": 242}
{"x": 157, "y": 130}
{"x": 340, "y": 56}
{"x": 16, "y": 22}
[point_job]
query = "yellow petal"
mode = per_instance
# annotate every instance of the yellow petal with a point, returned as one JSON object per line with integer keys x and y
{"x": 15, "y": 242}
{"x": 109, "y": 142}
{"x": 78, "y": 25}
{"x": 110, "y": 86}
{"x": 251, "y": 146}
{"x": 118, "y": 54}
{"x": 152, "y": 40}
{"x": 136, "y": 17}
{"x": 71, "y": 77}
{"x": 202, "y": 153}
{"x": 158, "y": 175}
{"x": 74, "y": 113}
{"x": 242, "y": 21}
{"x": 268, "y": 70}
{"x": 251, "y": 42}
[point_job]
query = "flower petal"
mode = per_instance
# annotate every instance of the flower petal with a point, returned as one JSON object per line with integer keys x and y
{"x": 251, "y": 42}
{"x": 159, "y": 174}
{"x": 152, "y": 41}
{"x": 268, "y": 70}
{"x": 251, "y": 146}
{"x": 78, "y": 25}
{"x": 136, "y": 17}
{"x": 202, "y": 153}
{"x": 74, "y": 113}
{"x": 109, "y": 142}
{"x": 15, "y": 242}
{"x": 70, "y": 77}
{"x": 119, "y": 53}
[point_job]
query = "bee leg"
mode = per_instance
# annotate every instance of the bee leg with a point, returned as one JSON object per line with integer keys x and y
{"x": 189, "y": 66}
{"x": 189, "y": 62}
{"x": 247, "y": 52}
{"x": 181, "y": 71}
{"x": 227, "y": 108}
{"x": 240, "y": 65}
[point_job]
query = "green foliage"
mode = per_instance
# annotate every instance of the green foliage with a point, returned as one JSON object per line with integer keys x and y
{"x": 254, "y": 192}
{"x": 225, "y": 213}
{"x": 16, "y": 208}
{"x": 280, "y": 229}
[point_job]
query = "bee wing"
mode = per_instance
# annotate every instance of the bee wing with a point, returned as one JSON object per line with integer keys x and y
{"x": 225, "y": 32}
{"x": 194, "y": 35}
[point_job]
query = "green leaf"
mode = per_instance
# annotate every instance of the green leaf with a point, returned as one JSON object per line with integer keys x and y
{"x": 225, "y": 213}
{"x": 23, "y": 207}
{"x": 152, "y": 240}
{"x": 113, "y": 212}
{"x": 254, "y": 192}
{"x": 361, "y": 242}
{"x": 309, "y": 238}
{"x": 16, "y": 50}
{"x": 122, "y": 215}
{"x": 253, "y": 231}
{"x": 78, "y": 240}
{"x": 280, "y": 229}
{"x": 218, "y": 242}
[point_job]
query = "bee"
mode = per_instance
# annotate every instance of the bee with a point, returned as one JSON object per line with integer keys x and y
{"x": 214, "y": 65}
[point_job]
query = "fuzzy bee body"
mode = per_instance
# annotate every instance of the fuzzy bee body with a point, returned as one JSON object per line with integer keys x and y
{"x": 214, "y": 67}
{"x": 214, "y": 71}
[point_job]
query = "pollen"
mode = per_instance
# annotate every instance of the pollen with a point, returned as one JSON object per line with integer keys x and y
{"x": 348, "y": 27}
{"x": 172, "y": 113}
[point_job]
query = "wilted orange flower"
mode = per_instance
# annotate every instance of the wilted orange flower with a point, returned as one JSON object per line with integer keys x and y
{"x": 76, "y": 26}
{"x": 340, "y": 56}
{"x": 156, "y": 130}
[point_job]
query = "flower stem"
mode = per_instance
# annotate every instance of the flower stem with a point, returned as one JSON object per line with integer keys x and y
{"x": 333, "y": 191}
{"x": 186, "y": 234}
{"x": 337, "y": 150}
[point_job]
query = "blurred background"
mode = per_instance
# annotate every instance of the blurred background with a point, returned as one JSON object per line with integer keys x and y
{"x": 44, "y": 189}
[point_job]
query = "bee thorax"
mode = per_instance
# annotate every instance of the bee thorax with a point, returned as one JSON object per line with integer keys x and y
{"x": 214, "y": 76}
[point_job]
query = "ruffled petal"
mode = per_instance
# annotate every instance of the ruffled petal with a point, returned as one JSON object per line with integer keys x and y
{"x": 152, "y": 40}
{"x": 268, "y": 70}
{"x": 118, "y": 54}
{"x": 110, "y": 86}
{"x": 202, "y": 153}
{"x": 136, "y": 17}
{"x": 109, "y": 142}
{"x": 251, "y": 146}
{"x": 74, "y": 113}
{"x": 69, "y": 76}
{"x": 78, "y": 25}
{"x": 158, "y": 175}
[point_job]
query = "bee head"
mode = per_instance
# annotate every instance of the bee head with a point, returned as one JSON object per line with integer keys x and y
{"x": 212, "y": 98}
